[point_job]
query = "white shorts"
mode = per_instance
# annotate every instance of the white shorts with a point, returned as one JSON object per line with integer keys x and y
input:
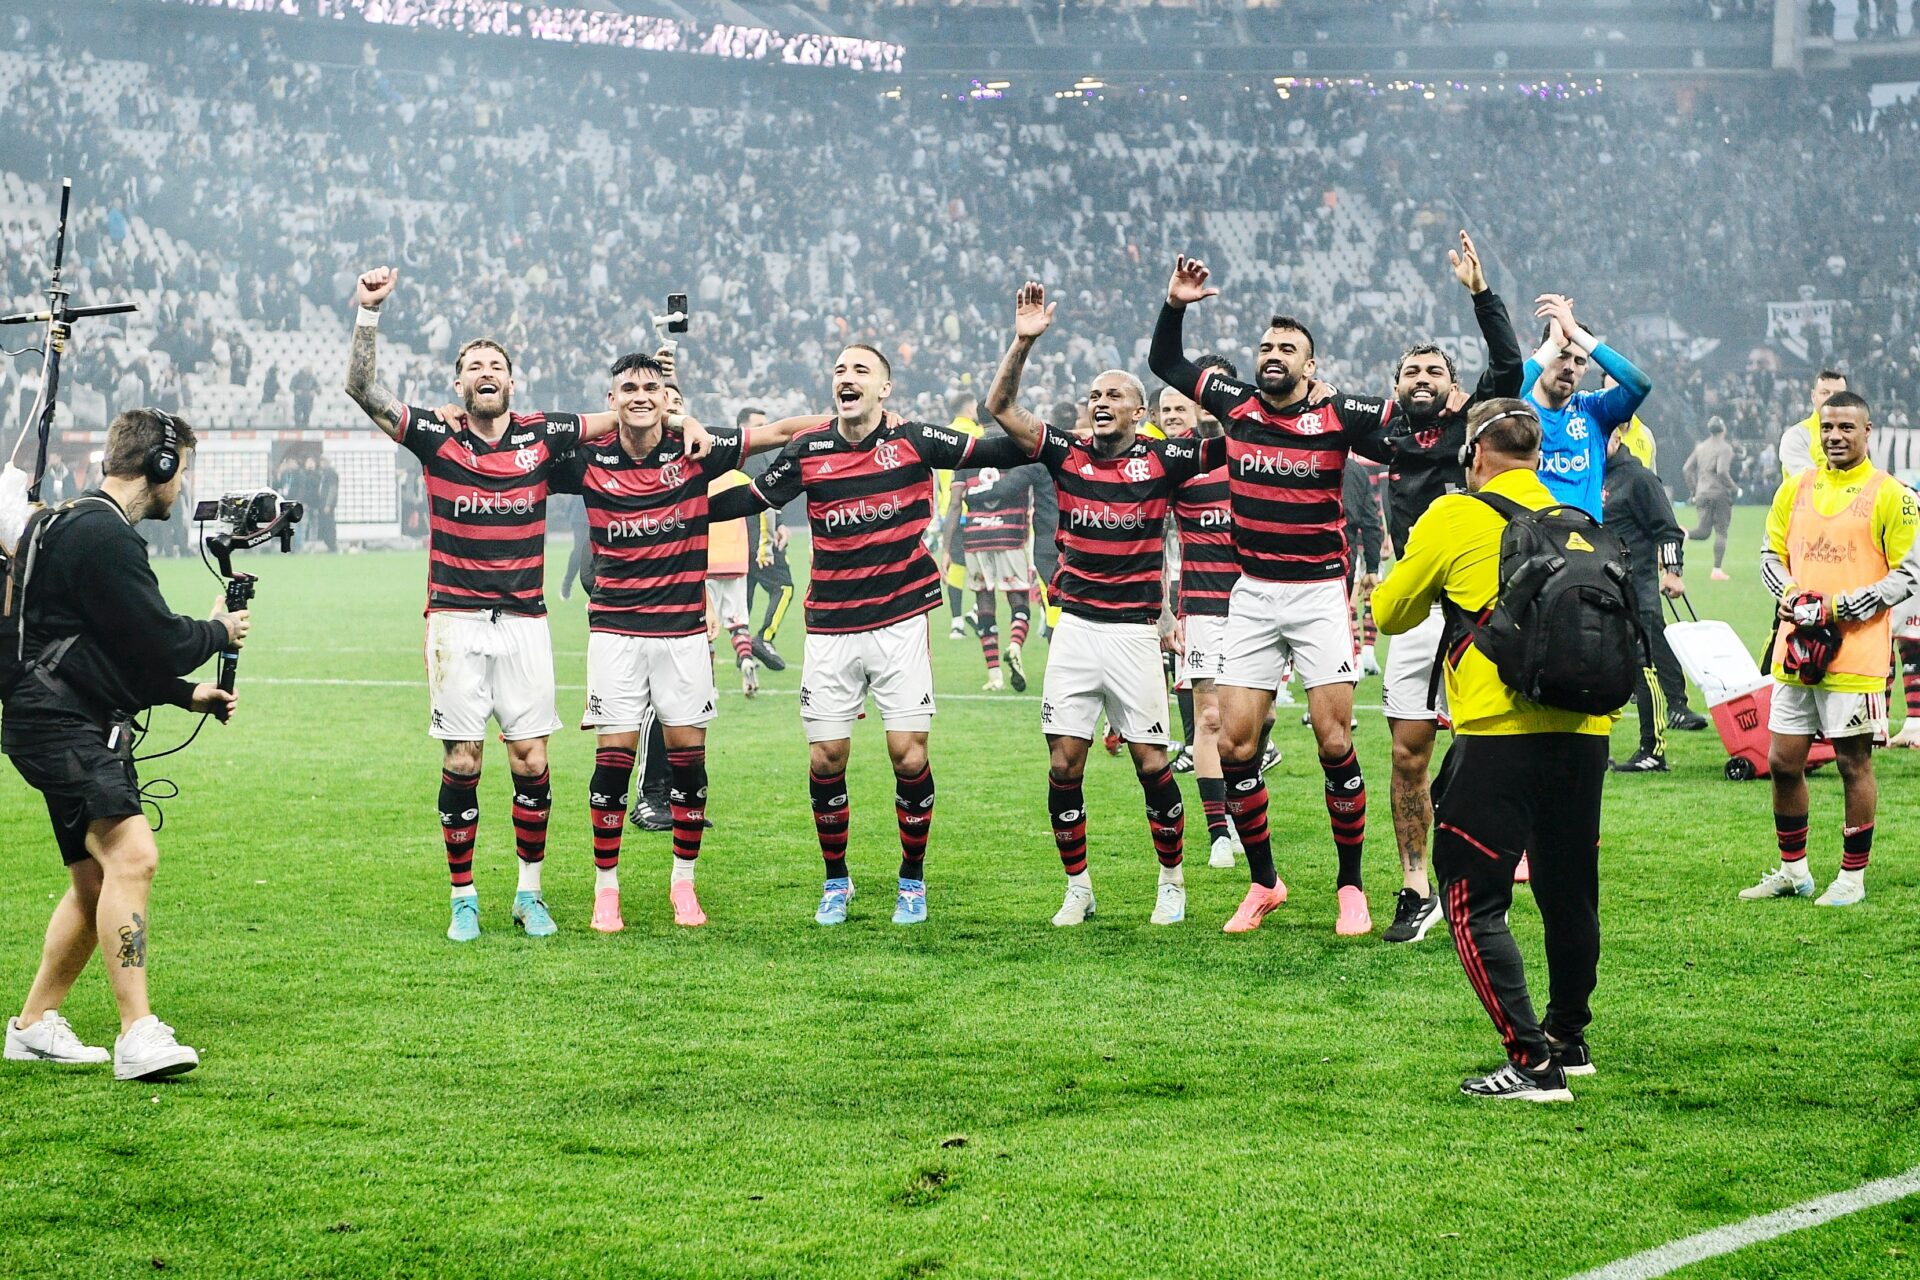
{"x": 1803, "y": 711}
{"x": 1204, "y": 655}
{"x": 630, "y": 676}
{"x": 1110, "y": 665}
{"x": 999, "y": 570}
{"x": 480, "y": 664}
{"x": 894, "y": 662}
{"x": 1409, "y": 673}
{"x": 1272, "y": 624}
{"x": 728, "y": 598}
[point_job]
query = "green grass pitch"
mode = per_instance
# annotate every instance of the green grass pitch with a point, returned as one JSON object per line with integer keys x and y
{"x": 983, "y": 1096}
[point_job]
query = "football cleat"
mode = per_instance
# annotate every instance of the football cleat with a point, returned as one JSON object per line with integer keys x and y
{"x": 1221, "y": 855}
{"x": 958, "y": 631}
{"x": 1909, "y": 735}
{"x": 1845, "y": 891}
{"x": 1369, "y": 665}
{"x": 749, "y": 677}
{"x": 1170, "y": 903}
{"x": 465, "y": 926}
{"x": 1112, "y": 742}
{"x": 994, "y": 682}
{"x": 531, "y": 914}
{"x": 1254, "y": 907}
{"x": 835, "y": 894}
{"x": 1182, "y": 759}
{"x": 686, "y": 906}
{"x": 1017, "y": 667}
{"x": 1510, "y": 1083}
{"x": 1076, "y": 908}
{"x": 768, "y": 656}
{"x": 1524, "y": 871}
{"x": 1781, "y": 883}
{"x": 1720, "y": 575}
{"x": 606, "y": 911}
{"x": 1355, "y": 919}
{"x": 51, "y": 1039}
{"x": 1270, "y": 756}
{"x": 910, "y": 904}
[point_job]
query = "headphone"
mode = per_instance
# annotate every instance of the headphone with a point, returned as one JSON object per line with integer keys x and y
{"x": 162, "y": 461}
{"x": 1472, "y": 446}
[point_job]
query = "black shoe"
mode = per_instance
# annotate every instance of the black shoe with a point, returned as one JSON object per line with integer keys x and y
{"x": 651, "y": 816}
{"x": 1642, "y": 762}
{"x": 1571, "y": 1056}
{"x": 1016, "y": 662}
{"x": 1687, "y": 720}
{"x": 1511, "y": 1083}
{"x": 1413, "y": 917}
{"x": 1270, "y": 757}
{"x": 769, "y": 657}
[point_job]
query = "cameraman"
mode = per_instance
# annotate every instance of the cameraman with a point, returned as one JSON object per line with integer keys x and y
{"x": 99, "y": 646}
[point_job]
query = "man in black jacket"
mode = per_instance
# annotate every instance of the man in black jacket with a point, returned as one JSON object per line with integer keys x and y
{"x": 99, "y": 646}
{"x": 1426, "y": 466}
{"x": 1636, "y": 507}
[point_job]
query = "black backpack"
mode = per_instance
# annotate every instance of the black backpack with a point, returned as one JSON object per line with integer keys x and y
{"x": 1563, "y": 631}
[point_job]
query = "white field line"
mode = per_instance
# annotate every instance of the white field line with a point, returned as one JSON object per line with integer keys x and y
{"x": 1721, "y": 1240}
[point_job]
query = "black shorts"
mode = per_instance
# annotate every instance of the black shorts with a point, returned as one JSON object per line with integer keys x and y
{"x": 83, "y": 779}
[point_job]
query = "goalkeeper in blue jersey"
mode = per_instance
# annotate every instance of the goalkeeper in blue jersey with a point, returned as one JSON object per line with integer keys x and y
{"x": 1574, "y": 424}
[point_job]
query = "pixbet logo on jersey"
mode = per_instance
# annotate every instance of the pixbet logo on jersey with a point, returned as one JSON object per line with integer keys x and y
{"x": 861, "y": 512}
{"x": 1104, "y": 518}
{"x": 475, "y": 503}
{"x": 645, "y": 526}
{"x": 1278, "y": 464}
{"x": 1214, "y": 518}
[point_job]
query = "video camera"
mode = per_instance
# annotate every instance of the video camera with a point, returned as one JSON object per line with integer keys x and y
{"x": 250, "y": 519}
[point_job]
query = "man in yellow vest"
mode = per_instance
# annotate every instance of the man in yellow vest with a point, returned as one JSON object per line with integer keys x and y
{"x": 1839, "y": 555}
{"x": 1520, "y": 777}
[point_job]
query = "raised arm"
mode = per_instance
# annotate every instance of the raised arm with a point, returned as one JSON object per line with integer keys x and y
{"x": 1612, "y": 407}
{"x": 1503, "y": 373}
{"x": 1032, "y": 316}
{"x": 375, "y": 400}
{"x": 1167, "y": 355}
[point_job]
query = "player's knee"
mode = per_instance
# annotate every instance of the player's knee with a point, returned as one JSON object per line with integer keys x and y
{"x": 1410, "y": 761}
{"x": 828, "y": 758}
{"x": 1855, "y": 765}
{"x": 1207, "y": 719}
{"x": 463, "y": 757}
{"x": 1066, "y": 773}
{"x": 1785, "y": 767}
{"x": 910, "y": 761}
{"x": 1336, "y": 739}
{"x": 132, "y": 861}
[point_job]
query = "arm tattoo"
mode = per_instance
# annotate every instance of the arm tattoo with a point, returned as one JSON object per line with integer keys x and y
{"x": 133, "y": 943}
{"x": 379, "y": 403}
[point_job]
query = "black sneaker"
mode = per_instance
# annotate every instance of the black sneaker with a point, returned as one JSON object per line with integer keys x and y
{"x": 1016, "y": 663}
{"x": 649, "y": 816}
{"x": 1687, "y": 720}
{"x": 1270, "y": 757}
{"x": 1571, "y": 1056}
{"x": 1413, "y": 917}
{"x": 1182, "y": 761}
{"x": 1640, "y": 762}
{"x": 1511, "y": 1083}
{"x": 769, "y": 657}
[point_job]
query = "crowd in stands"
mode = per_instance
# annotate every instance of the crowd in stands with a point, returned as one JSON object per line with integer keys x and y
{"x": 237, "y": 187}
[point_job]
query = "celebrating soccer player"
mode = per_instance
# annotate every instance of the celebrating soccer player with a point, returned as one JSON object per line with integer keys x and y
{"x": 1115, "y": 491}
{"x": 1840, "y": 553}
{"x": 1574, "y": 424}
{"x": 1285, "y": 448}
{"x": 488, "y": 651}
{"x": 868, "y": 479}
{"x": 997, "y": 505}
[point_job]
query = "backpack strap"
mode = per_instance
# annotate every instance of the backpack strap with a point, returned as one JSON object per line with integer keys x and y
{"x": 1507, "y": 507}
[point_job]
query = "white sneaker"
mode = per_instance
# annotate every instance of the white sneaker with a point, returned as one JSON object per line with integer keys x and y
{"x": 1845, "y": 891}
{"x": 749, "y": 676}
{"x": 50, "y": 1040}
{"x": 958, "y": 631}
{"x": 1076, "y": 909}
{"x": 1170, "y": 905}
{"x": 1909, "y": 735}
{"x": 148, "y": 1051}
{"x": 1781, "y": 883}
{"x": 1222, "y": 855}
{"x": 995, "y": 681}
{"x": 1369, "y": 665}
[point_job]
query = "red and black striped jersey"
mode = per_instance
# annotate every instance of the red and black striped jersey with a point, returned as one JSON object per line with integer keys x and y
{"x": 1209, "y": 565}
{"x": 647, "y": 518}
{"x": 1284, "y": 472}
{"x": 487, "y": 506}
{"x": 999, "y": 507}
{"x": 1113, "y": 523}
{"x": 869, "y": 504}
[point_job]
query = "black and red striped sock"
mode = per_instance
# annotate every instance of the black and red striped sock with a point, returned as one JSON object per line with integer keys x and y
{"x": 989, "y": 629}
{"x": 1856, "y": 847}
{"x": 1017, "y": 630}
{"x": 1910, "y": 669}
{"x": 687, "y": 798}
{"x": 742, "y": 644}
{"x": 532, "y": 805}
{"x": 1213, "y": 803}
{"x": 1067, "y": 810}
{"x": 831, "y": 818}
{"x": 1166, "y": 815}
{"x": 913, "y": 809}
{"x": 1369, "y": 631}
{"x": 607, "y": 803}
{"x": 1347, "y": 812}
{"x": 1247, "y": 802}
{"x": 1790, "y": 829}
{"x": 459, "y": 823}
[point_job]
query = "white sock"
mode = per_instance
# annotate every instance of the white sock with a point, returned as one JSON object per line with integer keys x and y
{"x": 606, "y": 878}
{"x": 530, "y": 876}
{"x": 1081, "y": 878}
{"x": 682, "y": 871}
{"x": 1174, "y": 875}
{"x": 465, "y": 891}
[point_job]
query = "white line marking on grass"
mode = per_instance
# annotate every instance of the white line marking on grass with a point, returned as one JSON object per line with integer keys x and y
{"x": 1727, "y": 1239}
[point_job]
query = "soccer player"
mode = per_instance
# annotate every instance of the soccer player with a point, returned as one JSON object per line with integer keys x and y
{"x": 768, "y": 570}
{"x": 1519, "y": 776}
{"x": 647, "y": 658}
{"x": 727, "y": 561}
{"x": 1575, "y": 425}
{"x": 1638, "y": 511}
{"x": 868, "y": 481}
{"x": 964, "y": 412}
{"x": 487, "y": 472}
{"x": 1116, "y": 490}
{"x": 1839, "y": 555}
{"x": 1709, "y": 473}
{"x": 1360, "y": 500}
{"x": 1906, "y": 634}
{"x": 1285, "y": 449}
{"x": 1208, "y": 569}
{"x": 996, "y": 504}
{"x": 1796, "y": 441}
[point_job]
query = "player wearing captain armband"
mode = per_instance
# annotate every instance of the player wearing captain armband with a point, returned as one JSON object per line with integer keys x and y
{"x": 1839, "y": 556}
